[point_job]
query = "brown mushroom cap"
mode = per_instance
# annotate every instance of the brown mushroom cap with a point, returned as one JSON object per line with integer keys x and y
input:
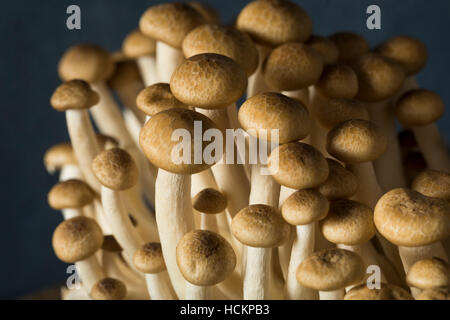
{"x": 330, "y": 269}
{"x": 341, "y": 183}
{"x": 110, "y": 244}
{"x": 348, "y": 222}
{"x": 274, "y": 22}
{"x": 428, "y": 274}
{"x": 77, "y": 239}
{"x": 409, "y": 52}
{"x": 260, "y": 226}
{"x": 58, "y": 156}
{"x": 170, "y": 22}
{"x": 356, "y": 141}
{"x": 273, "y": 111}
{"x": 157, "y": 98}
{"x": 304, "y": 207}
{"x": 227, "y": 41}
{"x": 336, "y": 111}
{"x": 379, "y": 78}
{"x": 338, "y": 81}
{"x": 137, "y": 44}
{"x": 292, "y": 66}
{"x": 74, "y": 94}
{"x": 298, "y": 166}
{"x": 205, "y": 258}
{"x": 209, "y": 81}
{"x": 126, "y": 74}
{"x": 410, "y": 219}
{"x": 156, "y": 140}
{"x": 115, "y": 169}
{"x": 386, "y": 292}
{"x": 350, "y": 45}
{"x": 435, "y": 294}
{"x": 149, "y": 259}
{"x": 419, "y": 107}
{"x": 210, "y": 14}
{"x": 86, "y": 62}
{"x": 70, "y": 194}
{"x": 327, "y": 48}
{"x": 432, "y": 183}
{"x": 209, "y": 201}
{"x": 109, "y": 289}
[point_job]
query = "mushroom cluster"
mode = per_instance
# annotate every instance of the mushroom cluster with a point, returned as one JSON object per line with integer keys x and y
{"x": 301, "y": 193}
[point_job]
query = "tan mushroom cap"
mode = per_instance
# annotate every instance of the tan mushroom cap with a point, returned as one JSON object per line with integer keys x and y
{"x": 419, "y": 107}
{"x": 227, "y": 41}
{"x": 58, "y": 156}
{"x": 304, "y": 207}
{"x": 210, "y": 14}
{"x": 137, "y": 44}
{"x": 77, "y": 239}
{"x": 410, "y": 219}
{"x": 109, "y": 289}
{"x": 74, "y": 94}
{"x": 428, "y": 274}
{"x": 86, "y": 62}
{"x": 170, "y": 22}
{"x": 298, "y": 166}
{"x": 292, "y": 66}
{"x": 115, "y": 169}
{"x": 209, "y": 81}
{"x": 70, "y": 194}
{"x": 379, "y": 77}
{"x": 126, "y": 74}
{"x": 386, "y": 292}
{"x": 341, "y": 183}
{"x": 330, "y": 269}
{"x": 351, "y": 45}
{"x": 435, "y": 294}
{"x": 269, "y": 111}
{"x": 205, "y": 258}
{"x": 348, "y": 222}
{"x": 149, "y": 259}
{"x": 356, "y": 141}
{"x": 157, "y": 145}
{"x": 327, "y": 48}
{"x": 338, "y": 81}
{"x": 409, "y": 52}
{"x": 157, "y": 98}
{"x": 110, "y": 244}
{"x": 260, "y": 226}
{"x": 274, "y": 22}
{"x": 432, "y": 183}
{"x": 209, "y": 201}
{"x": 336, "y": 111}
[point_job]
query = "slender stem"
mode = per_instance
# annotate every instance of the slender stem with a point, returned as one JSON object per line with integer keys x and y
{"x": 433, "y": 147}
{"x": 256, "y": 278}
{"x": 167, "y": 60}
{"x": 147, "y": 66}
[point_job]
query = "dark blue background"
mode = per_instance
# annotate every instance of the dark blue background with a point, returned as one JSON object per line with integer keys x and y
{"x": 33, "y": 36}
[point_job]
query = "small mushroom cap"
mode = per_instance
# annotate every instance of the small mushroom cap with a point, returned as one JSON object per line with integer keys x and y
{"x": 86, "y": 62}
{"x": 336, "y": 111}
{"x": 77, "y": 239}
{"x": 338, "y": 81}
{"x": 126, "y": 74}
{"x": 435, "y": 294}
{"x": 432, "y": 183}
{"x": 110, "y": 244}
{"x": 210, "y": 14}
{"x": 428, "y": 274}
{"x": 205, "y": 258}
{"x": 58, "y": 156}
{"x": 419, "y": 107}
{"x": 274, "y": 22}
{"x": 170, "y": 22}
{"x": 115, "y": 169}
{"x": 327, "y": 48}
{"x": 273, "y": 111}
{"x": 149, "y": 259}
{"x": 260, "y": 226}
{"x": 209, "y": 81}
{"x": 386, "y": 292}
{"x": 157, "y": 98}
{"x": 409, "y": 52}
{"x": 137, "y": 44}
{"x": 292, "y": 66}
{"x": 74, "y": 94}
{"x": 305, "y": 207}
{"x": 109, "y": 289}
{"x": 379, "y": 78}
{"x": 350, "y": 45}
{"x": 356, "y": 141}
{"x": 160, "y": 149}
{"x": 410, "y": 219}
{"x": 209, "y": 201}
{"x": 348, "y": 222}
{"x": 330, "y": 269}
{"x": 298, "y": 166}
{"x": 341, "y": 183}
{"x": 70, "y": 194}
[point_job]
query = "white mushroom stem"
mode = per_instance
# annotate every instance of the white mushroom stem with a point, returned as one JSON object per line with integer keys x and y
{"x": 101, "y": 218}
{"x": 410, "y": 255}
{"x": 167, "y": 60}
{"x": 256, "y": 277}
{"x": 318, "y": 136}
{"x": 90, "y": 271}
{"x": 147, "y": 67}
{"x": 69, "y": 172}
{"x": 264, "y": 189}
{"x": 256, "y": 82}
{"x": 194, "y": 292}
{"x": 209, "y": 222}
{"x": 409, "y": 84}
{"x": 157, "y": 286}
{"x": 332, "y": 295}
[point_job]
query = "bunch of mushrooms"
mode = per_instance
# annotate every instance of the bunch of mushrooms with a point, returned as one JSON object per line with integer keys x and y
{"x": 331, "y": 202}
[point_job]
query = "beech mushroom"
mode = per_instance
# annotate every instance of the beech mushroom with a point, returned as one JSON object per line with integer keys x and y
{"x": 434, "y": 184}
{"x": 109, "y": 289}
{"x": 326, "y": 48}
{"x": 429, "y": 274}
{"x": 340, "y": 184}
{"x": 209, "y": 203}
{"x": 385, "y": 292}
{"x": 351, "y": 45}
{"x": 59, "y": 156}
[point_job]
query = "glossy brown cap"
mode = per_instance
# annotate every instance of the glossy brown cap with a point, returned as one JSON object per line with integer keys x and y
{"x": 209, "y": 13}
{"x": 70, "y": 194}
{"x": 351, "y": 45}
{"x": 149, "y": 259}
{"x": 335, "y": 111}
{"x": 74, "y": 95}
{"x": 305, "y": 207}
{"x": 341, "y": 183}
{"x": 136, "y": 45}
{"x": 58, "y": 156}
{"x": 209, "y": 201}
{"x": 428, "y": 274}
{"x": 109, "y": 289}
{"x": 157, "y": 98}
{"x": 338, "y": 81}
{"x": 435, "y": 294}
{"x": 326, "y": 47}
{"x": 432, "y": 183}
{"x": 419, "y": 107}
{"x": 386, "y": 292}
